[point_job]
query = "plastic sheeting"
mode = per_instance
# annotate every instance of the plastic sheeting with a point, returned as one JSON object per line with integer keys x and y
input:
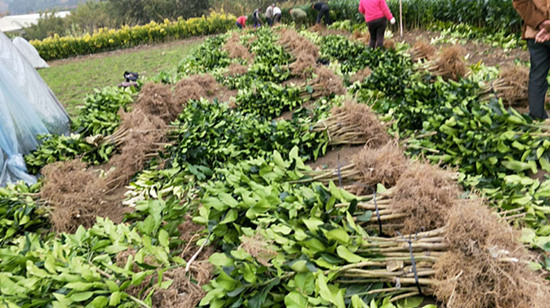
{"x": 19, "y": 127}
{"x": 29, "y": 52}
{"x": 50, "y": 111}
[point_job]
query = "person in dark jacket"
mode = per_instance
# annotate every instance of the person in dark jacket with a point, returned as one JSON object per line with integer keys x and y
{"x": 536, "y": 30}
{"x": 323, "y": 10}
{"x": 256, "y": 18}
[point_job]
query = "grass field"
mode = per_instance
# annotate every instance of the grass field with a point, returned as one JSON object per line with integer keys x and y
{"x": 71, "y": 80}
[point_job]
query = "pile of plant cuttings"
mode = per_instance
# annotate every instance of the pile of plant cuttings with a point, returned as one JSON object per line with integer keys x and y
{"x": 177, "y": 195}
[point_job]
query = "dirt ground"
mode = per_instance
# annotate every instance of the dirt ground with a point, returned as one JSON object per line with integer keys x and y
{"x": 485, "y": 53}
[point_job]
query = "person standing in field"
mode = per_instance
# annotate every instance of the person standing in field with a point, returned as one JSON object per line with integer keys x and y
{"x": 241, "y": 21}
{"x": 298, "y": 16}
{"x": 269, "y": 14}
{"x": 536, "y": 30}
{"x": 377, "y": 13}
{"x": 256, "y": 18}
{"x": 276, "y": 14}
{"x": 323, "y": 10}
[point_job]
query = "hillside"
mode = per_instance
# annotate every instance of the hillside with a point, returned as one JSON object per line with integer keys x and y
{"x": 15, "y": 7}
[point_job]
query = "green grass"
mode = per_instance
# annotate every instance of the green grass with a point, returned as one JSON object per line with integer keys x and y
{"x": 71, "y": 80}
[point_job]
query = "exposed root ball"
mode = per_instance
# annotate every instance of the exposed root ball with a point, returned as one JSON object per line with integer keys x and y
{"x": 361, "y": 75}
{"x": 389, "y": 44}
{"x": 361, "y": 122}
{"x": 512, "y": 85}
{"x": 425, "y": 193}
{"x": 422, "y": 50}
{"x": 450, "y": 64}
{"x": 259, "y": 248}
{"x": 363, "y": 37}
{"x": 144, "y": 137}
{"x": 327, "y": 82}
{"x": 194, "y": 87}
{"x": 237, "y": 50}
{"x": 381, "y": 165}
{"x": 236, "y": 69}
{"x": 297, "y": 44}
{"x": 74, "y": 194}
{"x": 156, "y": 99}
{"x": 304, "y": 66}
{"x": 486, "y": 266}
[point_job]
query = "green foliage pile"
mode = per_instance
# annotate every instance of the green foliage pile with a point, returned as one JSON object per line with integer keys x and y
{"x": 98, "y": 117}
{"x": 19, "y": 213}
{"x": 211, "y": 135}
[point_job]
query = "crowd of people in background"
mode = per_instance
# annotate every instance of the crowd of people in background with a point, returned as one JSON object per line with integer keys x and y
{"x": 376, "y": 12}
{"x": 273, "y": 15}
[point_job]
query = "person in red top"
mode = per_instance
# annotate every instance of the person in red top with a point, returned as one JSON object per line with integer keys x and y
{"x": 241, "y": 21}
{"x": 377, "y": 13}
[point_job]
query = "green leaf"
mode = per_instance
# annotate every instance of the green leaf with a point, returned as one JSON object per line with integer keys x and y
{"x": 115, "y": 298}
{"x": 410, "y": 302}
{"x": 338, "y": 235}
{"x": 231, "y": 216}
{"x": 99, "y": 302}
{"x": 347, "y": 255}
{"x": 305, "y": 282}
{"x": 164, "y": 238}
{"x": 79, "y": 286}
{"x": 220, "y": 259}
{"x": 295, "y": 300}
{"x": 357, "y": 302}
{"x": 366, "y": 216}
{"x": 81, "y": 296}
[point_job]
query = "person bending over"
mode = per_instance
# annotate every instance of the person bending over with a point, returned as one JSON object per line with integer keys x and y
{"x": 323, "y": 10}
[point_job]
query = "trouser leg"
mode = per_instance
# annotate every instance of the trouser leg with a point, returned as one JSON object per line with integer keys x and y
{"x": 372, "y": 31}
{"x": 538, "y": 85}
{"x": 326, "y": 13}
{"x": 380, "y": 33}
{"x": 319, "y": 15}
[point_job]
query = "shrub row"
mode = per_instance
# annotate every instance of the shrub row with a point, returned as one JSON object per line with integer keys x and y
{"x": 111, "y": 39}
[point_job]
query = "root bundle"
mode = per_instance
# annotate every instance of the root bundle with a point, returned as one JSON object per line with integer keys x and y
{"x": 361, "y": 75}
{"x": 236, "y": 69}
{"x": 325, "y": 83}
{"x": 235, "y": 49}
{"x": 353, "y": 124}
{"x": 511, "y": 86}
{"x": 449, "y": 64}
{"x": 305, "y": 52}
{"x": 421, "y": 51}
{"x": 195, "y": 87}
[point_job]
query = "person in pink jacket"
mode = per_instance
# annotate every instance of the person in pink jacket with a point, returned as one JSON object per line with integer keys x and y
{"x": 377, "y": 13}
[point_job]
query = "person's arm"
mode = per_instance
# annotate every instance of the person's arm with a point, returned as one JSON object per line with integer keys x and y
{"x": 361, "y": 8}
{"x": 386, "y": 10}
{"x": 530, "y": 13}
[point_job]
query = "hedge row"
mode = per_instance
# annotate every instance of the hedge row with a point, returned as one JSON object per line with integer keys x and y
{"x": 111, "y": 39}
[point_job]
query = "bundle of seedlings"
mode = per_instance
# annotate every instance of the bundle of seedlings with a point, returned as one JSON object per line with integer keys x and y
{"x": 370, "y": 167}
{"x": 511, "y": 86}
{"x": 353, "y": 124}
{"x": 361, "y": 75}
{"x": 74, "y": 195}
{"x": 420, "y": 199}
{"x": 486, "y": 265}
{"x": 422, "y": 51}
{"x": 296, "y": 44}
{"x": 325, "y": 84}
{"x": 304, "y": 65}
{"x": 235, "y": 49}
{"x": 449, "y": 64}
{"x": 145, "y": 137}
